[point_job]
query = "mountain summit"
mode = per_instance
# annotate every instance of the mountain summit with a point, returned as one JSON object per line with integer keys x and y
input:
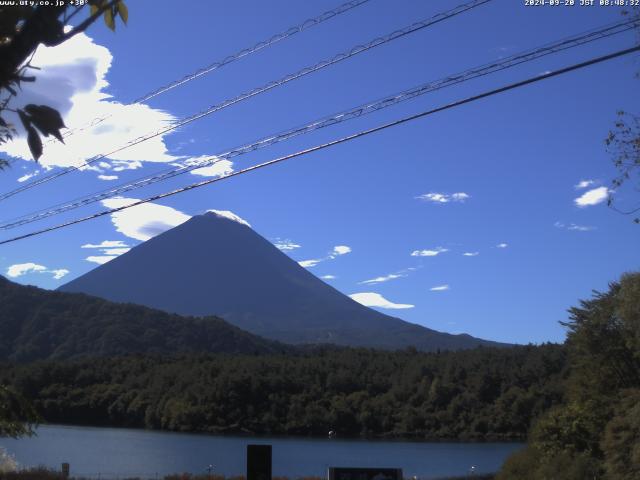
{"x": 215, "y": 264}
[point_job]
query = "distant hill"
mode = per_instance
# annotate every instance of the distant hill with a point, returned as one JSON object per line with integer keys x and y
{"x": 38, "y": 324}
{"x": 214, "y": 265}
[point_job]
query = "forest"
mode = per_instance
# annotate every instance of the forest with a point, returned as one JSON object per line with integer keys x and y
{"x": 485, "y": 393}
{"x": 595, "y": 431}
{"x": 577, "y": 404}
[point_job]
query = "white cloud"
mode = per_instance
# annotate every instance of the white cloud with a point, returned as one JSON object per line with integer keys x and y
{"x": 286, "y": 244}
{"x": 460, "y": 197}
{"x": 328, "y": 277}
{"x": 58, "y": 274}
{"x": 144, "y": 221}
{"x": 115, "y": 251}
{"x": 219, "y": 169}
{"x": 371, "y": 299}
{"x": 72, "y": 79}
{"x": 120, "y": 166}
{"x": 429, "y": 253}
{"x": 231, "y": 216}
{"x": 471, "y": 254}
{"x": 502, "y": 245}
{"x": 147, "y": 220}
{"x": 392, "y": 276}
{"x": 580, "y": 228}
{"x": 21, "y": 269}
{"x": 592, "y": 197}
{"x": 584, "y": 184}
{"x": 439, "y": 288}
{"x": 336, "y": 252}
{"x": 385, "y": 278}
{"x": 27, "y": 176}
{"x": 100, "y": 259}
{"x": 574, "y": 227}
{"x": 340, "y": 250}
{"x": 310, "y": 263}
{"x": 109, "y": 250}
{"x": 107, "y": 178}
{"x": 435, "y": 197}
{"x": 107, "y": 244}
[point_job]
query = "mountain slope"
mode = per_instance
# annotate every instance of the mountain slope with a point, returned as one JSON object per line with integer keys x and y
{"x": 38, "y": 324}
{"x": 212, "y": 265}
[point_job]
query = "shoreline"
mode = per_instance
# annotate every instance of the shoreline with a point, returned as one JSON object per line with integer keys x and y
{"x": 40, "y": 473}
{"x": 239, "y": 435}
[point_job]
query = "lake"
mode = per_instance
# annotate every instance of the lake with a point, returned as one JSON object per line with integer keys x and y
{"x": 118, "y": 452}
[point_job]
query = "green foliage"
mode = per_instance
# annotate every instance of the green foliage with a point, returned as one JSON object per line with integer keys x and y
{"x": 621, "y": 442}
{"x": 17, "y": 415}
{"x": 521, "y": 465}
{"x": 109, "y": 10}
{"x": 574, "y": 427}
{"x": 474, "y": 394}
{"x": 603, "y": 340}
{"x": 38, "y": 473}
{"x": 596, "y": 432}
{"x": 531, "y": 464}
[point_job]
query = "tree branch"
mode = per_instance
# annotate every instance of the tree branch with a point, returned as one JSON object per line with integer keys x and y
{"x": 73, "y": 14}
{"x": 87, "y": 23}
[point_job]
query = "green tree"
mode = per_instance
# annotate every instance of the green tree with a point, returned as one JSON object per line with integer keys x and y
{"x": 17, "y": 415}
{"x": 621, "y": 442}
{"x": 594, "y": 434}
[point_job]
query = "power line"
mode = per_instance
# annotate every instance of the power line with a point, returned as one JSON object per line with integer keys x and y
{"x": 376, "y": 42}
{"x": 356, "y": 112}
{"x": 332, "y": 143}
{"x": 308, "y": 23}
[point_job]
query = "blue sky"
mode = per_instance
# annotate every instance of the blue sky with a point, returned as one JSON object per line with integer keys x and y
{"x": 496, "y": 179}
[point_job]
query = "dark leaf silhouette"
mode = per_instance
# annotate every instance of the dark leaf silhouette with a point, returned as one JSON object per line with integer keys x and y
{"x": 123, "y": 11}
{"x": 109, "y": 20}
{"x": 25, "y": 119}
{"x": 33, "y": 139}
{"x": 35, "y": 144}
{"x": 46, "y": 119}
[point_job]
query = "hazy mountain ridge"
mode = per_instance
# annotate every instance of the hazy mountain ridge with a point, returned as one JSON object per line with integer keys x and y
{"x": 211, "y": 265}
{"x": 38, "y": 324}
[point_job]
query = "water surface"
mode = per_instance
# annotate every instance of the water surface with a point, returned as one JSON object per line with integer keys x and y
{"x": 118, "y": 452}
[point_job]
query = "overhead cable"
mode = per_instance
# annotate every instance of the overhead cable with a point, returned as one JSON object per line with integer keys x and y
{"x": 415, "y": 27}
{"x": 332, "y": 143}
{"x": 356, "y": 112}
{"x": 308, "y": 23}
